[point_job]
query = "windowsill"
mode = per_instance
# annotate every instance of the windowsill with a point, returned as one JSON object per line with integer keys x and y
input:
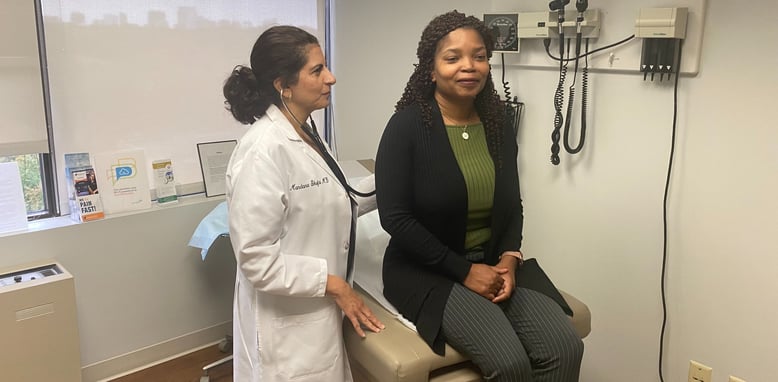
{"x": 66, "y": 221}
{"x": 355, "y": 170}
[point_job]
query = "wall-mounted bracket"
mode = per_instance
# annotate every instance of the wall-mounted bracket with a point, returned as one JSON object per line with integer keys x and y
{"x": 662, "y": 30}
{"x": 545, "y": 24}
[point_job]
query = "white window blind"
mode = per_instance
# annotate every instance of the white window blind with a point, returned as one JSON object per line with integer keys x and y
{"x": 22, "y": 117}
{"x": 128, "y": 75}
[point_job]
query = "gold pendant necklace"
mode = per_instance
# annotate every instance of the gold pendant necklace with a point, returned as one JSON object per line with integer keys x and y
{"x": 452, "y": 122}
{"x": 465, "y": 135}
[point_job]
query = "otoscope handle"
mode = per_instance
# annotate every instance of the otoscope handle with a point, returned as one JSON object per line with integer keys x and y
{"x": 556, "y": 5}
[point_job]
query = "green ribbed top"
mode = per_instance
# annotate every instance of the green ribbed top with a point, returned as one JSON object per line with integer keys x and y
{"x": 477, "y": 167}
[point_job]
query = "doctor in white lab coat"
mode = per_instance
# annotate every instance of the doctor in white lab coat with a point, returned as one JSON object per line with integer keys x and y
{"x": 290, "y": 220}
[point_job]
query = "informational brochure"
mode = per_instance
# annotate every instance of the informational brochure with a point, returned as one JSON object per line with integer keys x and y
{"x": 164, "y": 181}
{"x": 83, "y": 194}
{"x": 124, "y": 181}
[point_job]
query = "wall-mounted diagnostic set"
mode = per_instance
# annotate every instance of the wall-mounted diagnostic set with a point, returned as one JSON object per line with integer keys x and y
{"x": 572, "y": 28}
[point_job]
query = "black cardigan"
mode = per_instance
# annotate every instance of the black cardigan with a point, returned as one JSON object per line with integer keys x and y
{"x": 422, "y": 202}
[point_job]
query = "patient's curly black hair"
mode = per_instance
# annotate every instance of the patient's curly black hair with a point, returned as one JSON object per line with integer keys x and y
{"x": 420, "y": 88}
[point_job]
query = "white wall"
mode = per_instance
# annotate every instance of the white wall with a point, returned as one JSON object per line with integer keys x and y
{"x": 595, "y": 221}
{"x": 138, "y": 284}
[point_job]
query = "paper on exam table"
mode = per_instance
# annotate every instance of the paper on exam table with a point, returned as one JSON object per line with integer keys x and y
{"x": 213, "y": 225}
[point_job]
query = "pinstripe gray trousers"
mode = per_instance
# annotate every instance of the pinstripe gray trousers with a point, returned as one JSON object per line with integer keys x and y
{"x": 527, "y": 338}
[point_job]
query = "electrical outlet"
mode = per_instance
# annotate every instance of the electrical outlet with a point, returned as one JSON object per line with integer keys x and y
{"x": 699, "y": 372}
{"x": 735, "y": 379}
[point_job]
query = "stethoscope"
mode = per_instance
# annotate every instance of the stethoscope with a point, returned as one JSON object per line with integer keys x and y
{"x": 312, "y": 133}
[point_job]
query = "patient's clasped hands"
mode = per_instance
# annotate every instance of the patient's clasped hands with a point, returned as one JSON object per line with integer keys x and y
{"x": 486, "y": 280}
{"x": 494, "y": 283}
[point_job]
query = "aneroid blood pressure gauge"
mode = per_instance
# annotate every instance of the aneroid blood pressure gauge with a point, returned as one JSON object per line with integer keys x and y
{"x": 504, "y": 28}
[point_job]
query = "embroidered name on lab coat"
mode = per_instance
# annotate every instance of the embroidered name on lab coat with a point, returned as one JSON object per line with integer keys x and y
{"x": 313, "y": 183}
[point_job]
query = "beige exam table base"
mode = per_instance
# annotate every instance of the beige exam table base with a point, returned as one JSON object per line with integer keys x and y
{"x": 398, "y": 354}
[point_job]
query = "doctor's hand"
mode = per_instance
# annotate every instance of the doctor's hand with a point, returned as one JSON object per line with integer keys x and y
{"x": 352, "y": 305}
{"x": 486, "y": 280}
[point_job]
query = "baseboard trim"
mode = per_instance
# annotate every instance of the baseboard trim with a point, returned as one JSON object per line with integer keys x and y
{"x": 143, "y": 358}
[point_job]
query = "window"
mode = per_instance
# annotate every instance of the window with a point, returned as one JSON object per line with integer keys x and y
{"x": 124, "y": 75}
{"x": 22, "y": 113}
{"x": 30, "y": 170}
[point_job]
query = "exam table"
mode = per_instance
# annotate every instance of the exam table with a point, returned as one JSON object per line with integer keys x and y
{"x": 397, "y": 354}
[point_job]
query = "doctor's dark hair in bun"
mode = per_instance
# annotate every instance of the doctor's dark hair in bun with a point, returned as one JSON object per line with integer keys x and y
{"x": 279, "y": 53}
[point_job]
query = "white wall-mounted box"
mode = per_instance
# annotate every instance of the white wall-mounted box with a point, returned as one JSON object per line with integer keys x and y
{"x": 661, "y": 22}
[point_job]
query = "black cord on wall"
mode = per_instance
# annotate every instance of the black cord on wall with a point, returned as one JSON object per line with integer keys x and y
{"x": 547, "y": 42}
{"x": 664, "y": 210}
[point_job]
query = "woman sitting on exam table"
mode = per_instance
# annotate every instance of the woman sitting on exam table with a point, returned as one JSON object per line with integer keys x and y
{"x": 448, "y": 194}
{"x": 290, "y": 220}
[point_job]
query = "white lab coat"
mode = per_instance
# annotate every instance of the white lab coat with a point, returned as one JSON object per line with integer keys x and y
{"x": 290, "y": 222}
